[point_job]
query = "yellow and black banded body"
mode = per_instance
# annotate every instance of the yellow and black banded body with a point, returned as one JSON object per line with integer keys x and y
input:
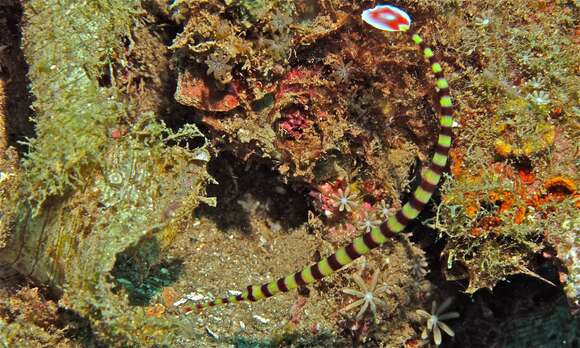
{"x": 396, "y": 223}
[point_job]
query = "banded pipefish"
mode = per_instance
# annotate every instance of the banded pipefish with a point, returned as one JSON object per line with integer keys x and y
{"x": 388, "y": 18}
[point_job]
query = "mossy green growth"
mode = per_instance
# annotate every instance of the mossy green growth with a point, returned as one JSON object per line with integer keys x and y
{"x": 107, "y": 194}
{"x": 69, "y": 45}
{"x": 256, "y": 36}
{"x": 494, "y": 229}
{"x": 147, "y": 191}
{"x": 144, "y": 196}
{"x": 522, "y": 129}
{"x": 254, "y": 10}
{"x": 147, "y": 184}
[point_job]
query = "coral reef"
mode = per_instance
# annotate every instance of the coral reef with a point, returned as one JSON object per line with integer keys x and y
{"x": 284, "y": 111}
{"x": 313, "y": 127}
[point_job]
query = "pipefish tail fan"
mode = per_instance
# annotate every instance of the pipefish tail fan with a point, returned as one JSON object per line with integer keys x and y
{"x": 387, "y": 18}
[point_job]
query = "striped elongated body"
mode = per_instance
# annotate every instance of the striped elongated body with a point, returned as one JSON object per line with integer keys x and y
{"x": 387, "y": 18}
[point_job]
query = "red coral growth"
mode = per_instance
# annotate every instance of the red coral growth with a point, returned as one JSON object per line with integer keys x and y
{"x": 505, "y": 199}
{"x": 487, "y": 223}
{"x": 526, "y": 176}
{"x": 558, "y": 188}
{"x": 528, "y": 192}
{"x": 326, "y": 196}
{"x": 293, "y": 123}
{"x": 456, "y": 162}
{"x": 560, "y": 185}
{"x": 297, "y": 85}
{"x": 198, "y": 91}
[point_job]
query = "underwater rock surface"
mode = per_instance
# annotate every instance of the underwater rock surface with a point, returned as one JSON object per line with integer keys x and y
{"x": 183, "y": 150}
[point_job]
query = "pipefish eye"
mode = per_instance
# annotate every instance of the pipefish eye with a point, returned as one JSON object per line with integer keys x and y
{"x": 387, "y": 17}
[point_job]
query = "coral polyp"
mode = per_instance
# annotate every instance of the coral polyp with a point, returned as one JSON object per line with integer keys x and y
{"x": 344, "y": 200}
{"x": 435, "y": 319}
{"x": 368, "y": 295}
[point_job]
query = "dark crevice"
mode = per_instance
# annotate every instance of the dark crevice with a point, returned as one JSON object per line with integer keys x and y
{"x": 163, "y": 26}
{"x": 77, "y": 328}
{"x": 143, "y": 272}
{"x": 520, "y": 312}
{"x": 253, "y": 187}
{"x": 13, "y": 72}
{"x": 161, "y": 79}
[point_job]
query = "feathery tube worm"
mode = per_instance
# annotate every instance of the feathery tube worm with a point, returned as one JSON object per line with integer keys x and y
{"x": 388, "y": 18}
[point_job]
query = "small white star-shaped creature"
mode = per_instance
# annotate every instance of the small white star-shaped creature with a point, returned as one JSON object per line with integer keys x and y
{"x": 434, "y": 320}
{"x": 368, "y": 297}
{"x": 345, "y": 200}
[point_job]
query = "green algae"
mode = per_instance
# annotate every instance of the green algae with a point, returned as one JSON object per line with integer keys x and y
{"x": 68, "y": 45}
{"x": 91, "y": 193}
{"x": 77, "y": 240}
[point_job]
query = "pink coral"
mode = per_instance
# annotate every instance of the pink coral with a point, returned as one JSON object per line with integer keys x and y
{"x": 294, "y": 124}
{"x": 325, "y": 197}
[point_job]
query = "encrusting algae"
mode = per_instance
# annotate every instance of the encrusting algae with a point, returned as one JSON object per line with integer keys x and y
{"x": 186, "y": 148}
